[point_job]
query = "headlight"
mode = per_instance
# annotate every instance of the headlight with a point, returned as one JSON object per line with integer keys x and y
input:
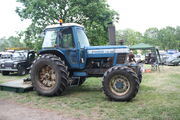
{"x": 3, "y": 65}
{"x": 14, "y": 65}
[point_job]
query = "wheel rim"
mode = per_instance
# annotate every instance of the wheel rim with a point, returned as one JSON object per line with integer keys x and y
{"x": 119, "y": 85}
{"x": 47, "y": 77}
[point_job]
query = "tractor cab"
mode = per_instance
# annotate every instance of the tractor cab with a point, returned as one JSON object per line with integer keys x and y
{"x": 69, "y": 40}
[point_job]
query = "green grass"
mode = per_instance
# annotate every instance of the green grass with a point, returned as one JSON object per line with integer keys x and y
{"x": 157, "y": 99}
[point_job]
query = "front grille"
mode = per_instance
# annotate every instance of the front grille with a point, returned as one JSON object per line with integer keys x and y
{"x": 121, "y": 58}
{"x": 8, "y": 64}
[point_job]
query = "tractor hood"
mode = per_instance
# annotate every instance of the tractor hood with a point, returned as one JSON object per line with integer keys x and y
{"x": 107, "y": 49}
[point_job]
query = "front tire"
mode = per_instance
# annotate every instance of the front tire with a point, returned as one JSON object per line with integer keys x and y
{"x": 5, "y": 72}
{"x": 21, "y": 71}
{"x": 49, "y": 75}
{"x": 120, "y": 83}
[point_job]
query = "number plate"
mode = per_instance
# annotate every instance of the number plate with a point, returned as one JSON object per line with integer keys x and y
{"x": 8, "y": 68}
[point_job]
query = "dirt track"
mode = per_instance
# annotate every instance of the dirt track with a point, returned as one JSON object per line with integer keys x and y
{"x": 10, "y": 110}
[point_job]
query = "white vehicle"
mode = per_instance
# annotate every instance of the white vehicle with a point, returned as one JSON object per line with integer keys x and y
{"x": 139, "y": 57}
{"x": 173, "y": 59}
{"x": 5, "y": 55}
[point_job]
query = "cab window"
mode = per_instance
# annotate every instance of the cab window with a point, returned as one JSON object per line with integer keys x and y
{"x": 66, "y": 40}
{"x": 50, "y": 39}
{"x": 82, "y": 38}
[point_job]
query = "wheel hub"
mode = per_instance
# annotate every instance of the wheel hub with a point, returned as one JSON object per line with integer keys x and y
{"x": 47, "y": 77}
{"x": 119, "y": 85}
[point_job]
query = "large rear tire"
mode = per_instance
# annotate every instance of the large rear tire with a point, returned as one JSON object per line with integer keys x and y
{"x": 120, "y": 83}
{"x": 49, "y": 75}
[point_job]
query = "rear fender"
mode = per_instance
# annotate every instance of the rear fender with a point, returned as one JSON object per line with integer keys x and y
{"x": 55, "y": 52}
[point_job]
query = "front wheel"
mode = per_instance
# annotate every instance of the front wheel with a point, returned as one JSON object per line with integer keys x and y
{"x": 5, "y": 72}
{"x": 21, "y": 71}
{"x": 120, "y": 83}
{"x": 49, "y": 75}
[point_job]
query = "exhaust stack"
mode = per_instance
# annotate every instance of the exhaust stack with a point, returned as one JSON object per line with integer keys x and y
{"x": 111, "y": 33}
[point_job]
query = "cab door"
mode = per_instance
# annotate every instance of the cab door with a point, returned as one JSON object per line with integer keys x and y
{"x": 68, "y": 46}
{"x": 82, "y": 43}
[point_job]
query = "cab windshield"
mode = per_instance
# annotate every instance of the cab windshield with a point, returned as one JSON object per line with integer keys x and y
{"x": 5, "y": 56}
{"x": 19, "y": 56}
{"x": 82, "y": 38}
{"x": 50, "y": 39}
{"x": 66, "y": 38}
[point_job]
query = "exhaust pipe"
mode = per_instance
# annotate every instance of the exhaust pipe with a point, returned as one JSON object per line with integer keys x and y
{"x": 111, "y": 33}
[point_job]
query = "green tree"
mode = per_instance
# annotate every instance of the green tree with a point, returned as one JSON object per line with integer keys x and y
{"x": 93, "y": 14}
{"x": 31, "y": 37}
{"x": 151, "y": 36}
{"x": 178, "y": 38}
{"x": 167, "y": 38}
{"x": 130, "y": 36}
{"x": 11, "y": 42}
{"x": 3, "y": 43}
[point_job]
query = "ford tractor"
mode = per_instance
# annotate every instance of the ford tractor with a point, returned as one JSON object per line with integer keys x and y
{"x": 67, "y": 59}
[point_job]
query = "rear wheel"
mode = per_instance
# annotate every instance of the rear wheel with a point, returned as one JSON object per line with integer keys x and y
{"x": 5, "y": 72}
{"x": 49, "y": 75}
{"x": 120, "y": 83}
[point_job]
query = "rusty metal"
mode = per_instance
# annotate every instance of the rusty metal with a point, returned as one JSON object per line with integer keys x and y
{"x": 121, "y": 58}
{"x": 47, "y": 77}
{"x": 111, "y": 34}
{"x": 121, "y": 89}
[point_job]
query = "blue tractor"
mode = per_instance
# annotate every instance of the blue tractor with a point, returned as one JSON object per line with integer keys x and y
{"x": 67, "y": 59}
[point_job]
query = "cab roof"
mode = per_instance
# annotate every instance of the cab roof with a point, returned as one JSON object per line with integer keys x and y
{"x": 64, "y": 25}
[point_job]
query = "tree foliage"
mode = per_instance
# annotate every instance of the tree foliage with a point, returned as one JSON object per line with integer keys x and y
{"x": 151, "y": 36}
{"x": 93, "y": 14}
{"x": 130, "y": 36}
{"x": 11, "y": 42}
{"x": 165, "y": 38}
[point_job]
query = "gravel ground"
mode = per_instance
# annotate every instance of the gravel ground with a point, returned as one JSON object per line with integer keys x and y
{"x": 10, "y": 110}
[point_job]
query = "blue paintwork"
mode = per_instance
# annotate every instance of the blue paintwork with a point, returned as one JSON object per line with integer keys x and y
{"x": 79, "y": 53}
{"x": 80, "y": 74}
{"x": 105, "y": 47}
{"x": 70, "y": 52}
{"x": 119, "y": 85}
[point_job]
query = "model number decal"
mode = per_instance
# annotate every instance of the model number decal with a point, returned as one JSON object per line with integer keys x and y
{"x": 102, "y": 51}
